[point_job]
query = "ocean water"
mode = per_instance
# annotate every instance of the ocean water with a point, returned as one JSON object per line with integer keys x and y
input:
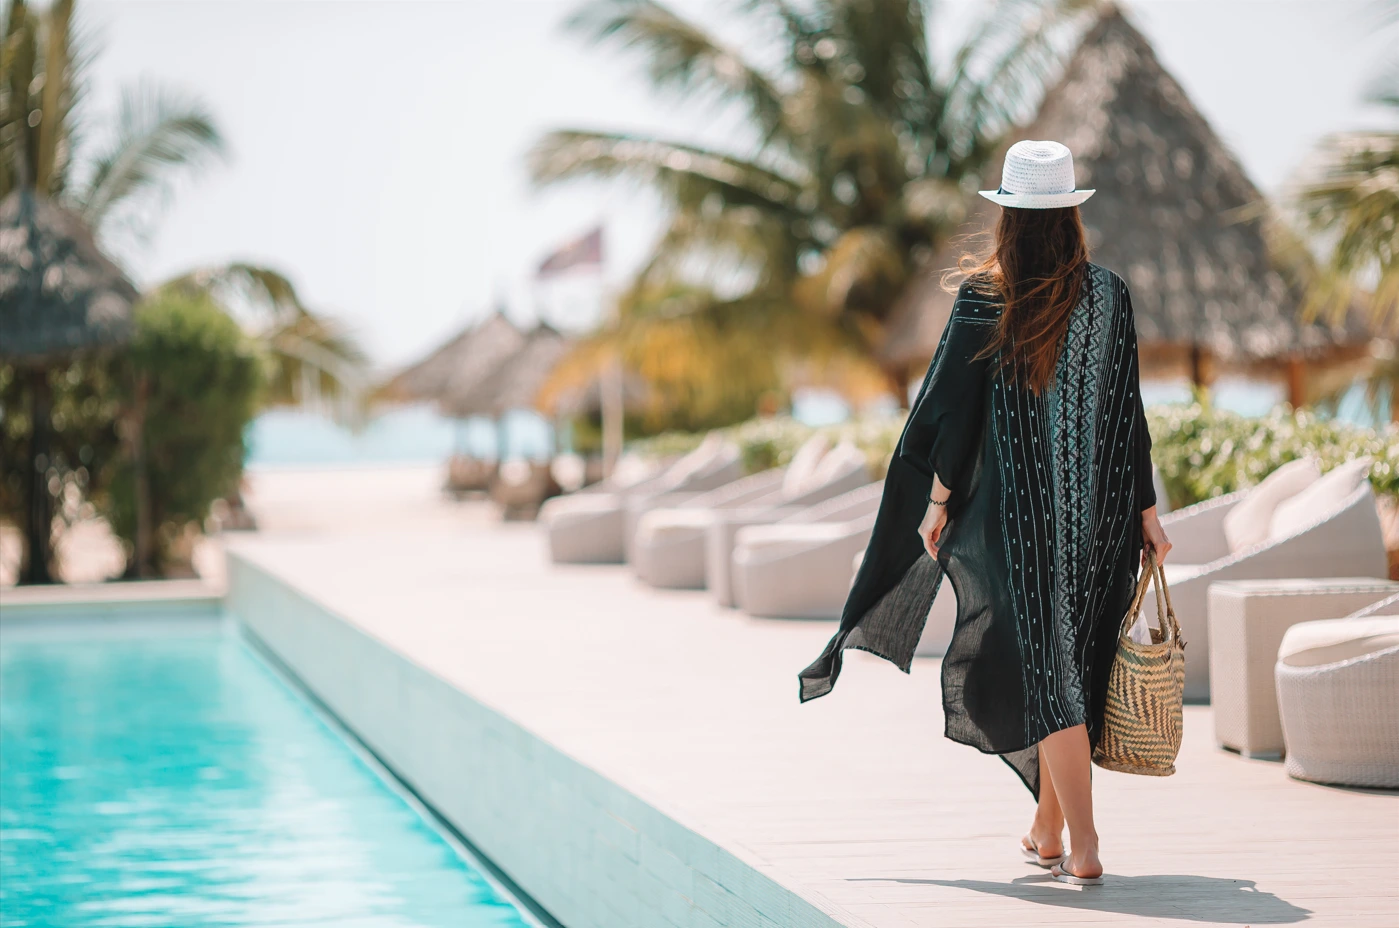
{"x": 175, "y": 780}
{"x": 417, "y": 434}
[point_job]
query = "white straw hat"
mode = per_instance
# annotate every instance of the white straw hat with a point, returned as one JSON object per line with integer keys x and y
{"x": 1037, "y": 175}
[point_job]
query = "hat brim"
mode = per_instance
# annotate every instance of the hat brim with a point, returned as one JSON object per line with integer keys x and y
{"x": 1037, "y": 200}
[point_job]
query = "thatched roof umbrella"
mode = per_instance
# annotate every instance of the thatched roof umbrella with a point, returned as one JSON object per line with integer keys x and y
{"x": 457, "y": 366}
{"x": 514, "y": 383}
{"x": 59, "y": 296}
{"x": 1174, "y": 214}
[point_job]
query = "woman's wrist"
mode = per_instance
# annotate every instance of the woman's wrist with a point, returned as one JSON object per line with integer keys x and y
{"x": 932, "y": 501}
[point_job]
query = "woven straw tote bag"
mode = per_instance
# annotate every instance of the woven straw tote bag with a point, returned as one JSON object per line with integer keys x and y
{"x": 1142, "y": 722}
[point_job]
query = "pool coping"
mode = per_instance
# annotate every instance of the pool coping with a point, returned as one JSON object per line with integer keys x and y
{"x": 137, "y": 599}
{"x": 588, "y": 851}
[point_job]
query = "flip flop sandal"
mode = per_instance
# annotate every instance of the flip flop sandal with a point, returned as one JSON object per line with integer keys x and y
{"x": 1032, "y": 854}
{"x": 1064, "y": 876}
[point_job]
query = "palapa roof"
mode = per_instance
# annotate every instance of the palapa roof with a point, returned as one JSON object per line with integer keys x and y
{"x": 58, "y": 293}
{"x": 457, "y": 366}
{"x": 488, "y": 369}
{"x": 515, "y": 382}
{"x": 1166, "y": 217}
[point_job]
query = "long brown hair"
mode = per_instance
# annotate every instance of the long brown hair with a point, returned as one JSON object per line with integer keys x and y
{"x": 1038, "y": 264}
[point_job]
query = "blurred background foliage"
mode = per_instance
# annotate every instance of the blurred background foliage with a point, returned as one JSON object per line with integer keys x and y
{"x": 195, "y": 380}
{"x": 856, "y": 154}
{"x": 116, "y": 171}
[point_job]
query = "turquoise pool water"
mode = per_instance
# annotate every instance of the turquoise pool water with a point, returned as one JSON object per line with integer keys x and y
{"x": 176, "y": 780}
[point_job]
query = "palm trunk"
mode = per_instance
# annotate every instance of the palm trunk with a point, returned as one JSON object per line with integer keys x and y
{"x": 38, "y": 527}
{"x": 143, "y": 556}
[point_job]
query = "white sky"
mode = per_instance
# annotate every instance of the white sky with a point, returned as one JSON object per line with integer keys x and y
{"x": 377, "y": 147}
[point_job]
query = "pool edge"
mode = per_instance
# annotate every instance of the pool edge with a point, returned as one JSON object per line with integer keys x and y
{"x": 589, "y": 852}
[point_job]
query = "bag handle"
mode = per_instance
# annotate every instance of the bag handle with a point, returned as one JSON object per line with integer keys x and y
{"x": 1165, "y": 611}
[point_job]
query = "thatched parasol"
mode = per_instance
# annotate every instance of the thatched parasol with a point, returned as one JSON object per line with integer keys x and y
{"x": 1174, "y": 214}
{"x": 458, "y": 366}
{"x": 515, "y": 382}
{"x": 59, "y": 296}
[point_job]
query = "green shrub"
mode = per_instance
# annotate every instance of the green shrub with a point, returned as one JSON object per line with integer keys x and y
{"x": 1204, "y": 452}
{"x": 202, "y": 379}
{"x": 771, "y": 441}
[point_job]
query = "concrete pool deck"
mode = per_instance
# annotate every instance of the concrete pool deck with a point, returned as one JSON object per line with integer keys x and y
{"x": 631, "y": 756}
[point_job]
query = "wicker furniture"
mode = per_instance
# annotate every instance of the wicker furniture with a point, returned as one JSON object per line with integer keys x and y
{"x": 1345, "y": 541}
{"x": 1338, "y": 694}
{"x": 1247, "y": 621}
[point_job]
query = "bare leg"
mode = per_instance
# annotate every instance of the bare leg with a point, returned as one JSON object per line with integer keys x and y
{"x": 1047, "y": 830}
{"x": 1066, "y": 754}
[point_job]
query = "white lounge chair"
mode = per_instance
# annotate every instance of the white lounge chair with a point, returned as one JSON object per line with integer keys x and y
{"x": 674, "y": 546}
{"x": 1338, "y": 697}
{"x": 589, "y": 527}
{"x": 1330, "y": 528}
{"x": 801, "y": 567}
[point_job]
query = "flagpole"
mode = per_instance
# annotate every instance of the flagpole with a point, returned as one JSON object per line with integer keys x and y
{"x": 612, "y": 387}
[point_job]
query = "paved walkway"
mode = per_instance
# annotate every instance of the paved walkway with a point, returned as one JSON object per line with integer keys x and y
{"x": 855, "y": 797}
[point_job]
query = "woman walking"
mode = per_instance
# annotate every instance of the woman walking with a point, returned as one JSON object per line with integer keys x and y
{"x": 1024, "y": 472}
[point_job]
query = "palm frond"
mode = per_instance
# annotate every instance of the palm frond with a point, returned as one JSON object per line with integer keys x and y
{"x": 1350, "y": 201}
{"x": 317, "y": 363}
{"x": 261, "y": 294}
{"x": 882, "y": 49}
{"x": 315, "y": 360}
{"x": 1001, "y": 72}
{"x": 686, "y": 172}
{"x": 157, "y": 135}
{"x": 682, "y": 56}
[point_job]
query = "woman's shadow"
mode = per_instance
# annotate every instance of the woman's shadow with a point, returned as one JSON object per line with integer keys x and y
{"x": 1184, "y": 897}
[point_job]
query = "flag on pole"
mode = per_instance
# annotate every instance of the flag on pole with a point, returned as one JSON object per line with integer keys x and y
{"x": 584, "y": 251}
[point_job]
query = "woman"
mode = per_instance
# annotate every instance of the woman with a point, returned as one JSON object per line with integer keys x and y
{"x": 1026, "y": 456}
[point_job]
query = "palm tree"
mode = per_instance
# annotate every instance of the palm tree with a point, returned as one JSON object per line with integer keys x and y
{"x": 857, "y": 158}
{"x": 1348, "y": 202}
{"x": 118, "y": 186}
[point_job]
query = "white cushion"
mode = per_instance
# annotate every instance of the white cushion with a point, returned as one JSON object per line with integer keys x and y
{"x": 1309, "y": 644}
{"x": 838, "y": 462}
{"x": 803, "y": 464}
{"x": 1250, "y": 521}
{"x": 1320, "y": 499}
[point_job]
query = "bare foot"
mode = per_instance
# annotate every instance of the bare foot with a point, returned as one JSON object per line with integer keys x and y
{"x": 1044, "y": 842}
{"x": 1083, "y": 863}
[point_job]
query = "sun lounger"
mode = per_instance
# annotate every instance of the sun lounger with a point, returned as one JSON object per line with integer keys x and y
{"x": 672, "y": 546}
{"x": 589, "y": 527}
{"x": 1330, "y": 528}
{"x": 800, "y": 567}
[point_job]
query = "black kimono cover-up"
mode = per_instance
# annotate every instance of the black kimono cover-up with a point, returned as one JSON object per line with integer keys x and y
{"x": 1043, "y": 537}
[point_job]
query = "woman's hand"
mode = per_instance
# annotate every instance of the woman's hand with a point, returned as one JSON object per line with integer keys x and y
{"x": 931, "y": 529}
{"x": 1154, "y": 537}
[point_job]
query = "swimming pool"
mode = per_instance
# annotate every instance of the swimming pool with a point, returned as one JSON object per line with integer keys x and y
{"x": 175, "y": 779}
